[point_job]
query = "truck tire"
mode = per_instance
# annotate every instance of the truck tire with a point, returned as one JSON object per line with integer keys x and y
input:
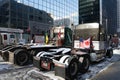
{"x": 40, "y": 54}
{"x": 72, "y": 69}
{"x": 21, "y": 57}
{"x": 63, "y": 58}
{"x": 109, "y": 53}
{"x": 84, "y": 65}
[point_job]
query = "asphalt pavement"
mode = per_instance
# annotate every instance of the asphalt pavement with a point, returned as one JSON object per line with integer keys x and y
{"x": 110, "y": 73}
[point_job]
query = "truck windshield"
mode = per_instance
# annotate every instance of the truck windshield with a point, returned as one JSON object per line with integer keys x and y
{"x": 12, "y": 36}
{"x": 86, "y": 33}
{"x": 88, "y": 30}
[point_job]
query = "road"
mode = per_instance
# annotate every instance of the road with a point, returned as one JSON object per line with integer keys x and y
{"x": 111, "y": 73}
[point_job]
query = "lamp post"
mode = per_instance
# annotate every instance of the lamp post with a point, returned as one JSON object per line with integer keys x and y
{"x": 73, "y": 34}
{"x": 106, "y": 22}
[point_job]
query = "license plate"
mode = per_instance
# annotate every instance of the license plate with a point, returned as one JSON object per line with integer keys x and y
{"x": 45, "y": 65}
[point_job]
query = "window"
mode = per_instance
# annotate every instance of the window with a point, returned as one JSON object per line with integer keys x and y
{"x": 5, "y": 37}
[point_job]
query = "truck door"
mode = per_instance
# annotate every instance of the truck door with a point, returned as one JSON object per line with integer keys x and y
{"x": 0, "y": 39}
{"x": 1, "y": 42}
{"x": 5, "y": 39}
{"x": 12, "y": 39}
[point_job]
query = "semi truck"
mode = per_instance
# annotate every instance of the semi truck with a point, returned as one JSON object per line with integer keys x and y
{"x": 90, "y": 45}
{"x": 23, "y": 54}
{"x": 7, "y": 39}
{"x": 87, "y": 43}
{"x": 9, "y": 36}
{"x": 100, "y": 47}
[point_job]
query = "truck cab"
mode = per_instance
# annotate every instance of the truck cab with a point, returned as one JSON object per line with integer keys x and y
{"x": 7, "y": 38}
{"x": 97, "y": 38}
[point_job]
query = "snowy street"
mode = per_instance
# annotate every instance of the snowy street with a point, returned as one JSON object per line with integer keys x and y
{"x": 9, "y": 71}
{"x": 100, "y": 66}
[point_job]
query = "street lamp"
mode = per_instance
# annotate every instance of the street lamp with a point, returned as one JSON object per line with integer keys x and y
{"x": 106, "y": 22}
{"x": 73, "y": 29}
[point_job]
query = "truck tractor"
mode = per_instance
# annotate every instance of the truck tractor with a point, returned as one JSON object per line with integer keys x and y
{"x": 97, "y": 38}
{"x": 23, "y": 54}
{"x": 90, "y": 45}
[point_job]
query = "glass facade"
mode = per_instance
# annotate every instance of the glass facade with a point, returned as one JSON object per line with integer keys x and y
{"x": 19, "y": 13}
{"x": 118, "y": 16}
{"x": 99, "y": 11}
{"x": 88, "y": 11}
{"x": 109, "y": 15}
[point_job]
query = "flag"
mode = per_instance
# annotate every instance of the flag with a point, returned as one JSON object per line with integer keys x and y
{"x": 81, "y": 43}
{"x": 85, "y": 43}
{"x": 46, "y": 38}
{"x": 59, "y": 34}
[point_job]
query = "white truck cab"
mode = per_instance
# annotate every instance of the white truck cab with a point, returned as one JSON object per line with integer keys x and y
{"x": 7, "y": 38}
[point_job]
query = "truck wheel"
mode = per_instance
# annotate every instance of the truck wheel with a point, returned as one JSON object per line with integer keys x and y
{"x": 72, "y": 69}
{"x": 63, "y": 58}
{"x": 109, "y": 53}
{"x": 40, "y": 54}
{"x": 84, "y": 65}
{"x": 21, "y": 57}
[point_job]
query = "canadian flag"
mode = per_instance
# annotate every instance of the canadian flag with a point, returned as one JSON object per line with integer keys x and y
{"x": 59, "y": 34}
{"x": 85, "y": 43}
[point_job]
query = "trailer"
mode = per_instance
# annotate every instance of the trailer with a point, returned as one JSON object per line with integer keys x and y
{"x": 23, "y": 54}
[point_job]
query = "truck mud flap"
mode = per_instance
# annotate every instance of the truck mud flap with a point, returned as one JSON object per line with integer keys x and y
{"x": 70, "y": 70}
{"x": 36, "y": 62}
{"x": 109, "y": 53}
{"x": 5, "y": 56}
{"x": 84, "y": 63}
{"x": 43, "y": 63}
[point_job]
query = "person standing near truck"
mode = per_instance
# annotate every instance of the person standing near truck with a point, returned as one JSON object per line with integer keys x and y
{"x": 115, "y": 41}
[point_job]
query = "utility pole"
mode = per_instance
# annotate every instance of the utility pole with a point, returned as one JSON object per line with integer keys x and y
{"x": 106, "y": 21}
{"x": 9, "y": 22}
{"x": 73, "y": 34}
{"x": 100, "y": 2}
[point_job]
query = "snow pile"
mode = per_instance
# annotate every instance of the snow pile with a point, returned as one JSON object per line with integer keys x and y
{"x": 5, "y": 66}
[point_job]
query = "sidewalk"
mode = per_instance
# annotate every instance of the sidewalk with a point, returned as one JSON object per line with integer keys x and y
{"x": 111, "y": 73}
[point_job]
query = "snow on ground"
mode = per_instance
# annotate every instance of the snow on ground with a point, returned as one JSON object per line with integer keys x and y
{"x": 100, "y": 66}
{"x": 9, "y": 71}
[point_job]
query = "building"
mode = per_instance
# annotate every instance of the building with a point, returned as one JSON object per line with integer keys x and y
{"x": 62, "y": 22}
{"x": 19, "y": 13}
{"x": 118, "y": 17}
{"x": 88, "y": 11}
{"x": 37, "y": 16}
{"x": 99, "y": 11}
{"x": 19, "y": 16}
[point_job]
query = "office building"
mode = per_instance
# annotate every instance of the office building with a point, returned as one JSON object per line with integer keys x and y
{"x": 42, "y": 14}
{"x": 101, "y": 11}
{"x": 17, "y": 15}
{"x": 118, "y": 17}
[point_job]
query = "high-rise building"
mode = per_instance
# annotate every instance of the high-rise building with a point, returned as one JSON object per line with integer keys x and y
{"x": 118, "y": 17}
{"x": 17, "y": 15}
{"x": 102, "y": 11}
{"x": 24, "y": 13}
{"x": 88, "y": 11}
